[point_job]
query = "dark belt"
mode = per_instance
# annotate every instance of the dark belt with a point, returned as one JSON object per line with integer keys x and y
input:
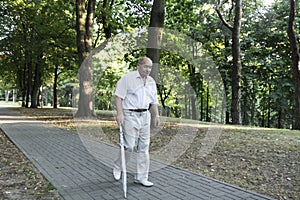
{"x": 138, "y": 110}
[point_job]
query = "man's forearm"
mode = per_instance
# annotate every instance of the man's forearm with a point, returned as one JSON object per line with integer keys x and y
{"x": 154, "y": 110}
{"x": 120, "y": 115}
{"x": 119, "y": 105}
{"x": 155, "y": 113}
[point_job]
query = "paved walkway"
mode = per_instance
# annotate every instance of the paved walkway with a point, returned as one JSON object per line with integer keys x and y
{"x": 64, "y": 160}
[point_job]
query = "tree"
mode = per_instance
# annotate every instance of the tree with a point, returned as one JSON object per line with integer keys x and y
{"x": 84, "y": 30}
{"x": 295, "y": 61}
{"x": 37, "y": 37}
{"x": 37, "y": 46}
{"x": 236, "y": 72}
{"x": 29, "y": 26}
{"x": 155, "y": 34}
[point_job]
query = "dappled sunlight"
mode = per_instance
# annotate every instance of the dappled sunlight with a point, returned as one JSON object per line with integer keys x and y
{"x": 250, "y": 157}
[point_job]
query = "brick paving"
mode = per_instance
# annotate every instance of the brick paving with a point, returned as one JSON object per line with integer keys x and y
{"x": 77, "y": 174}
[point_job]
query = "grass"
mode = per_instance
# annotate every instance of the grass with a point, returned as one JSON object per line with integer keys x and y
{"x": 9, "y": 103}
{"x": 263, "y": 160}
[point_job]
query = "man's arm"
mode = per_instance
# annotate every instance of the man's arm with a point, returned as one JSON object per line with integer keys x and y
{"x": 120, "y": 114}
{"x": 154, "y": 111}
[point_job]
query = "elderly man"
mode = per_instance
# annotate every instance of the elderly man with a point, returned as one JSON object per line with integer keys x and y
{"x": 136, "y": 93}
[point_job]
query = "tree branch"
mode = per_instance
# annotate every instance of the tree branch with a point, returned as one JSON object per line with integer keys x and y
{"x": 225, "y": 23}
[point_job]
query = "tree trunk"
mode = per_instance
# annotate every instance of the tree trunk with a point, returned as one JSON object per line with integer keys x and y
{"x": 107, "y": 28}
{"x": 226, "y": 87}
{"x": 202, "y": 106}
{"x": 55, "y": 87}
{"x": 263, "y": 120}
{"x": 185, "y": 106}
{"x": 21, "y": 76}
{"x": 23, "y": 86}
{"x": 237, "y": 66}
{"x": 279, "y": 118}
{"x": 84, "y": 29}
{"x": 28, "y": 66}
{"x": 36, "y": 84}
{"x": 39, "y": 98}
{"x": 155, "y": 37}
{"x": 155, "y": 34}
{"x": 193, "y": 79}
{"x": 7, "y": 92}
{"x": 29, "y": 83}
{"x": 14, "y": 95}
{"x": 269, "y": 117}
{"x": 295, "y": 62}
{"x": 207, "y": 105}
{"x": 193, "y": 105}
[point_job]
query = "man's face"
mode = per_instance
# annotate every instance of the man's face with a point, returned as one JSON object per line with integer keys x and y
{"x": 145, "y": 68}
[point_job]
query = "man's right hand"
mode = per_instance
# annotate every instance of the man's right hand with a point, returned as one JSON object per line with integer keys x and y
{"x": 120, "y": 118}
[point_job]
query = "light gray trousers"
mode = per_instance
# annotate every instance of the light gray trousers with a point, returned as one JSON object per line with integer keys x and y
{"x": 136, "y": 130}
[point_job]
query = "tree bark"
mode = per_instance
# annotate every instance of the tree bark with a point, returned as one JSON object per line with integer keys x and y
{"x": 55, "y": 87}
{"x": 23, "y": 85}
{"x": 155, "y": 35}
{"x": 279, "y": 118}
{"x": 193, "y": 82}
{"x": 7, "y": 92}
{"x": 29, "y": 82}
{"x": 84, "y": 29}
{"x": 226, "y": 86}
{"x": 36, "y": 83}
{"x": 295, "y": 62}
{"x": 107, "y": 28}
{"x": 28, "y": 67}
{"x": 237, "y": 66}
{"x": 207, "y": 105}
{"x": 202, "y": 106}
{"x": 37, "y": 79}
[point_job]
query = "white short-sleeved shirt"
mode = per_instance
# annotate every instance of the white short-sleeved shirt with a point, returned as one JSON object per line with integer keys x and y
{"x": 136, "y": 94}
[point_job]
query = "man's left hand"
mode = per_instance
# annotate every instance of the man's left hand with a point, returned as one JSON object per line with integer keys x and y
{"x": 156, "y": 121}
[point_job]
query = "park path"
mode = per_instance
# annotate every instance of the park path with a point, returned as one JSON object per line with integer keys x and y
{"x": 65, "y": 161}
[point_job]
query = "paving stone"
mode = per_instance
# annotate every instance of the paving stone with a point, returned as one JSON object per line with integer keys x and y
{"x": 63, "y": 158}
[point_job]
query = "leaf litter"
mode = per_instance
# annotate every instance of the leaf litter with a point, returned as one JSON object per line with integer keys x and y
{"x": 263, "y": 160}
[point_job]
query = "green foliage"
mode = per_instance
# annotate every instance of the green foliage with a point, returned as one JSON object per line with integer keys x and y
{"x": 106, "y": 83}
{"x": 41, "y": 31}
{"x": 36, "y": 33}
{"x": 266, "y": 70}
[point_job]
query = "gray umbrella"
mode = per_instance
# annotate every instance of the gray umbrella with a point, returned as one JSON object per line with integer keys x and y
{"x": 123, "y": 163}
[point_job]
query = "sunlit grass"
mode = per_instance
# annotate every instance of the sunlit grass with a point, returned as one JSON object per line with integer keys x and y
{"x": 265, "y": 160}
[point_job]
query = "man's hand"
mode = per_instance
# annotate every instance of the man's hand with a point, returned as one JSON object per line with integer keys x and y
{"x": 156, "y": 121}
{"x": 120, "y": 118}
{"x": 154, "y": 111}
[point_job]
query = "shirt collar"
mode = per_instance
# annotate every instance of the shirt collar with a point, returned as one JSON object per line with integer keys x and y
{"x": 137, "y": 74}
